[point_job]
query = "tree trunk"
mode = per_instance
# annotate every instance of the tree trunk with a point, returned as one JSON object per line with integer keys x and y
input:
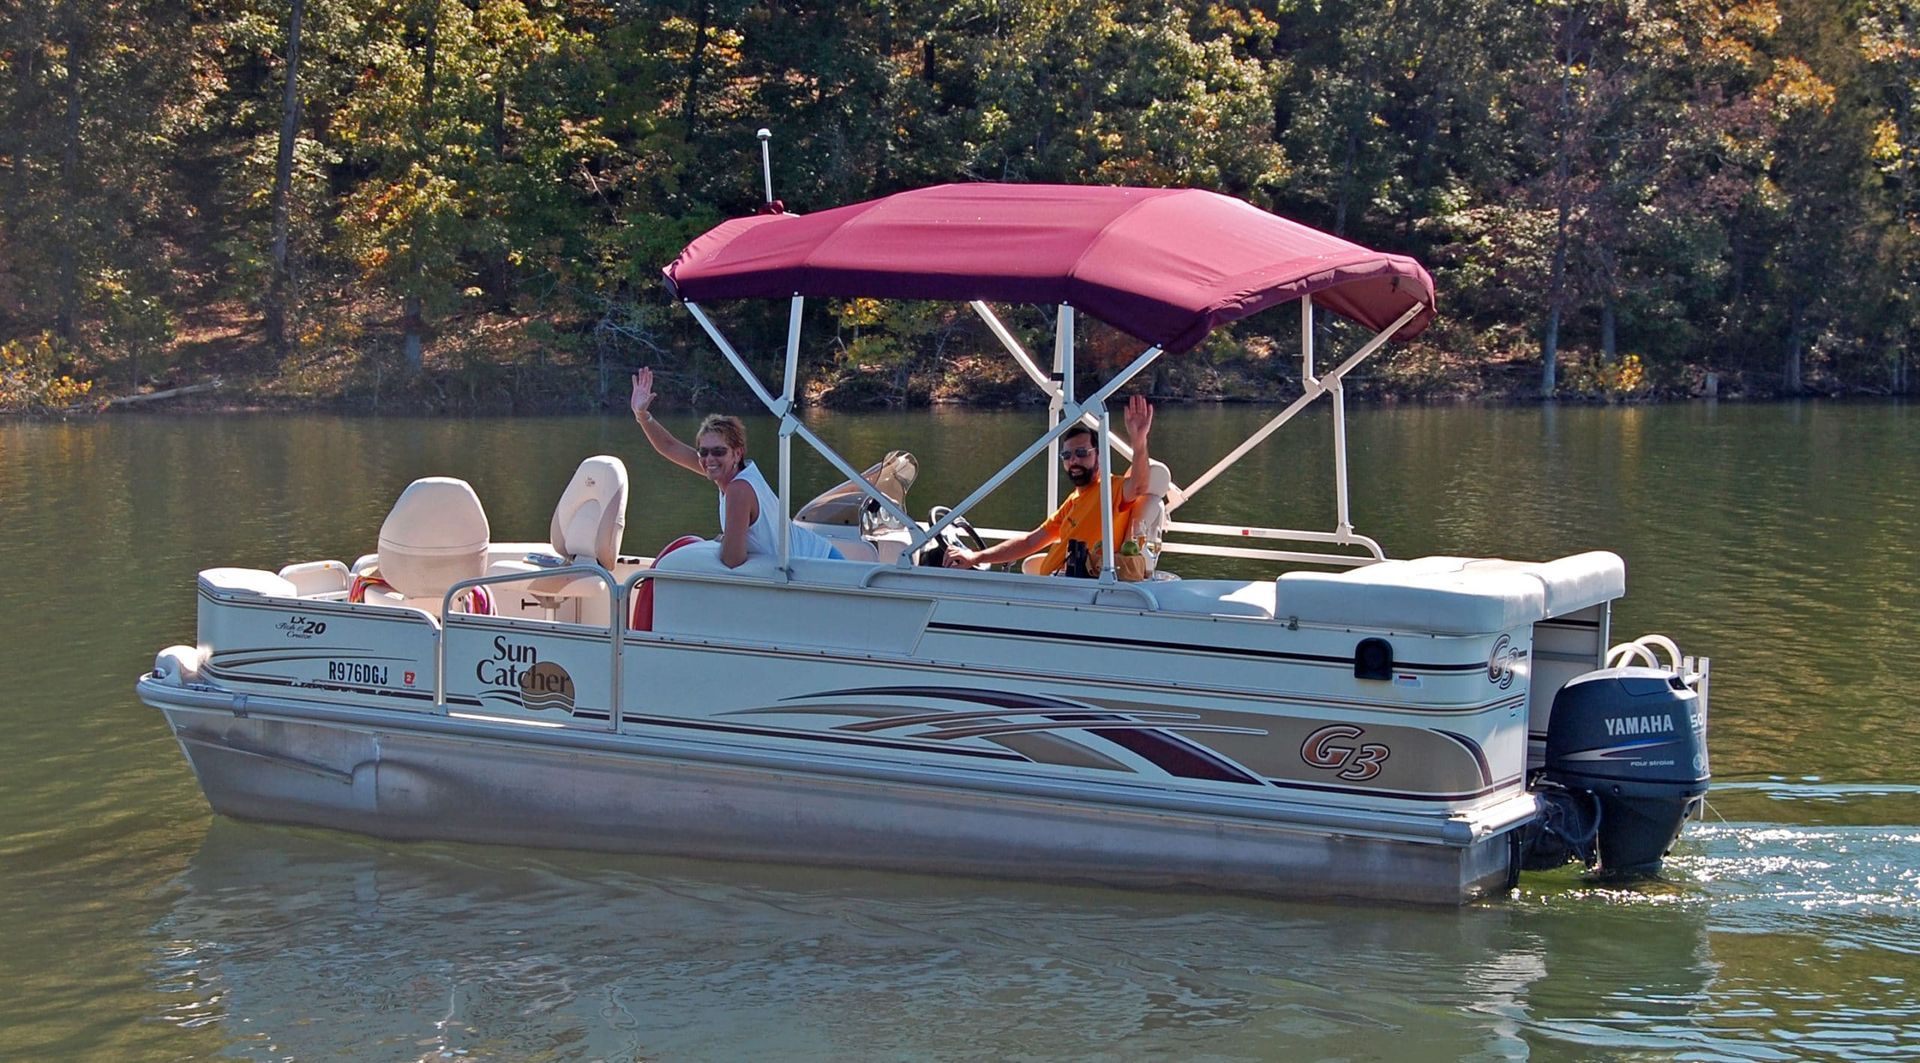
{"x": 1349, "y": 163}
{"x": 413, "y": 347}
{"x": 279, "y": 293}
{"x": 1423, "y": 166}
{"x": 413, "y": 314}
{"x": 1556, "y": 285}
{"x": 498, "y": 268}
{"x": 1608, "y": 349}
{"x": 1550, "y": 355}
{"x": 19, "y": 139}
{"x": 691, "y": 109}
{"x": 68, "y": 261}
{"x": 1563, "y": 193}
{"x": 1357, "y": 120}
{"x": 499, "y": 131}
{"x": 1791, "y": 373}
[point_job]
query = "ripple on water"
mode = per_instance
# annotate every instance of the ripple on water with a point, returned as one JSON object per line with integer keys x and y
{"x": 1859, "y": 884}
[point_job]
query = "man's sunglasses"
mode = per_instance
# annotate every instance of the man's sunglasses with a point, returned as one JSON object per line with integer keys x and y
{"x": 1070, "y": 453}
{"x": 712, "y": 452}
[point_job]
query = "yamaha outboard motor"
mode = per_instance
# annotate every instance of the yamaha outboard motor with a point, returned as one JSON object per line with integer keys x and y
{"x": 1626, "y": 761}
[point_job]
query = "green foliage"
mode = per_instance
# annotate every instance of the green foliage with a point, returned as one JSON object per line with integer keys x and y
{"x": 1725, "y": 184}
{"x": 1622, "y": 378}
{"x": 34, "y": 375}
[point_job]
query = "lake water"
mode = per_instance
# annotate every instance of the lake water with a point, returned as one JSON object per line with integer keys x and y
{"x": 1784, "y": 541}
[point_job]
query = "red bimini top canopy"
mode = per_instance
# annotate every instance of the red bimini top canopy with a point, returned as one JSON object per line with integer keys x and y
{"x": 1166, "y": 265}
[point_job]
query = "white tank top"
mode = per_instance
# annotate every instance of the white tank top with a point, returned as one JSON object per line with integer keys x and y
{"x": 760, "y": 540}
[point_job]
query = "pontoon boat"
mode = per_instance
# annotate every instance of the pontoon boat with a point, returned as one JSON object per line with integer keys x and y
{"x": 1337, "y": 724}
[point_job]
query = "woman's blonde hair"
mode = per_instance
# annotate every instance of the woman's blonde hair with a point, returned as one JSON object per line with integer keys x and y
{"x": 728, "y": 428}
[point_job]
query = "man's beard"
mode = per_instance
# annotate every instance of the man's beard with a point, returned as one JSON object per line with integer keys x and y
{"x": 1080, "y": 475}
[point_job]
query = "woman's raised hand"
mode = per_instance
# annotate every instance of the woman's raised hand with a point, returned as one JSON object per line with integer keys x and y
{"x": 642, "y": 393}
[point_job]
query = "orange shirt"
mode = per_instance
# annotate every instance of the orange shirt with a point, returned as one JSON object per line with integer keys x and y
{"x": 1079, "y": 518}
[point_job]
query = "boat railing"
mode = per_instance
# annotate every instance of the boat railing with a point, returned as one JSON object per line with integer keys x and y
{"x": 616, "y": 622}
{"x": 965, "y": 583}
{"x": 1310, "y": 557}
{"x": 949, "y": 583}
{"x": 1373, "y": 554}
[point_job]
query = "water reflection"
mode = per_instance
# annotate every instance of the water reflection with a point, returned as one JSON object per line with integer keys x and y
{"x": 306, "y": 943}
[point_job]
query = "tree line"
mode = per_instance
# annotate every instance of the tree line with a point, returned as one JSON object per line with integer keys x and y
{"x": 477, "y": 195}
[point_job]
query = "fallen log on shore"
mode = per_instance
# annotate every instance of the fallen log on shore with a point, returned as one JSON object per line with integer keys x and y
{"x": 154, "y": 396}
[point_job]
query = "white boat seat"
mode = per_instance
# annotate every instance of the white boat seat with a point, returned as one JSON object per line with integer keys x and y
{"x": 856, "y": 550}
{"x": 246, "y": 582}
{"x": 1215, "y": 597}
{"x": 315, "y": 579}
{"x": 435, "y": 536}
{"x": 704, "y": 558}
{"x": 587, "y": 527}
{"x": 1150, "y": 517}
{"x": 591, "y": 517}
{"x": 377, "y": 595}
{"x": 1452, "y": 595}
{"x": 677, "y": 603}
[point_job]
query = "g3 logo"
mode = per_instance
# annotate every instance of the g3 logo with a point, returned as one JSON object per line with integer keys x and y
{"x": 1500, "y": 662}
{"x": 1327, "y": 748}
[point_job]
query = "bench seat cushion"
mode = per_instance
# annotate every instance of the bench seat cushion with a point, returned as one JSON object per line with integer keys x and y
{"x": 1214, "y": 597}
{"x": 1452, "y": 595}
{"x": 247, "y": 582}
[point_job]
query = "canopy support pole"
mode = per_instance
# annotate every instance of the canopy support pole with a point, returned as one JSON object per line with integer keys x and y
{"x": 1013, "y": 347}
{"x": 1062, "y": 395}
{"x": 1048, "y": 385}
{"x": 1342, "y": 525}
{"x": 790, "y": 425}
{"x": 1073, "y": 412}
{"x": 733, "y": 358}
{"x": 1315, "y": 387}
{"x": 787, "y": 421}
{"x": 1107, "y": 574}
{"x": 1306, "y": 340}
{"x": 1032, "y": 368}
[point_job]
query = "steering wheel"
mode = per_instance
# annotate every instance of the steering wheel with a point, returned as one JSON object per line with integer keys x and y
{"x": 934, "y": 554}
{"x": 961, "y": 524}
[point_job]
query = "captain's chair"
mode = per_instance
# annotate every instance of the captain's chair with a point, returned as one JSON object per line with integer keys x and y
{"x": 1149, "y": 517}
{"x": 586, "y": 528}
{"x": 435, "y": 536}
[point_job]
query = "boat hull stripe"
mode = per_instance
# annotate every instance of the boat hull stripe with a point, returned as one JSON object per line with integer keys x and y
{"x": 1214, "y": 651}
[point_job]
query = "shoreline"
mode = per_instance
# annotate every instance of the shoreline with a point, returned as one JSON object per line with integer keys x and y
{"x": 207, "y": 405}
{"x": 1425, "y": 377}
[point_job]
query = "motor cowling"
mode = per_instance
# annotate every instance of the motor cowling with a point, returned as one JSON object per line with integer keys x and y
{"x": 1634, "y": 740}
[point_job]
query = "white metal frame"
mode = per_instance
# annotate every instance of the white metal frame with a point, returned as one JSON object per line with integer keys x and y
{"x": 1062, "y": 413}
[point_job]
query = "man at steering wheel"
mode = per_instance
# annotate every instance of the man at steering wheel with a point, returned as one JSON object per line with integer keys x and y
{"x": 1078, "y": 518}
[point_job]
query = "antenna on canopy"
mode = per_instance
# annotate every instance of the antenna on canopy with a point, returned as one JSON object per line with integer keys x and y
{"x": 766, "y": 163}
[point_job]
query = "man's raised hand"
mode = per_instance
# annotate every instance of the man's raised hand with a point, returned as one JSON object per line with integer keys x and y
{"x": 1139, "y": 419}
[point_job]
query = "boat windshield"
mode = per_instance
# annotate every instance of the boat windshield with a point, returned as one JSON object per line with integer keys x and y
{"x": 892, "y": 476}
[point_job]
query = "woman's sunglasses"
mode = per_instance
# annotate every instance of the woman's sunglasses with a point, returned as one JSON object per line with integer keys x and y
{"x": 713, "y": 452}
